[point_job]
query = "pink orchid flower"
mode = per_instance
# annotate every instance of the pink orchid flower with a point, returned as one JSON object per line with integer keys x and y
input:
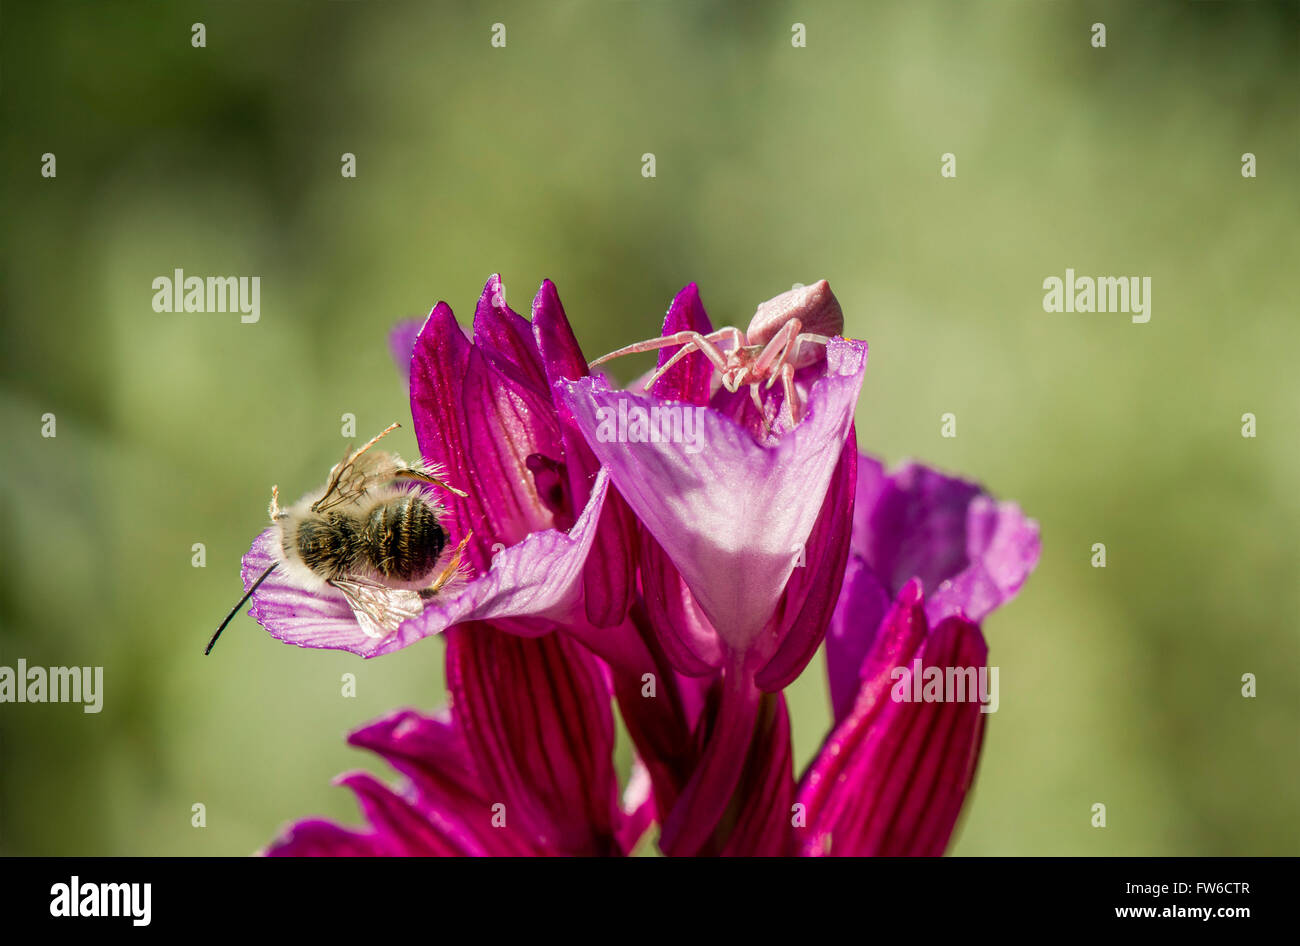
{"x": 689, "y": 579}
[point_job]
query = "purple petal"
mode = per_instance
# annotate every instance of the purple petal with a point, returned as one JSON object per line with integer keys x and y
{"x": 892, "y": 777}
{"x": 974, "y": 553}
{"x": 862, "y": 604}
{"x": 730, "y": 512}
{"x": 537, "y": 720}
{"x": 401, "y": 342}
{"x": 538, "y": 578}
{"x": 1002, "y": 548}
{"x": 917, "y": 523}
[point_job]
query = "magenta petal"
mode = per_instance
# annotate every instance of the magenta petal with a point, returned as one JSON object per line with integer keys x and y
{"x": 892, "y": 777}
{"x": 317, "y": 838}
{"x": 758, "y": 823}
{"x": 507, "y": 337}
{"x": 430, "y": 751}
{"x": 813, "y": 590}
{"x": 731, "y": 513}
{"x": 609, "y": 579}
{"x": 538, "y": 578}
{"x": 480, "y": 419}
{"x": 690, "y": 827}
{"x": 405, "y": 831}
{"x": 660, "y": 723}
{"x": 691, "y": 379}
{"x": 560, "y": 352}
{"x": 439, "y": 363}
{"x": 687, "y": 637}
{"x": 509, "y": 421}
{"x": 445, "y": 814}
{"x": 537, "y": 719}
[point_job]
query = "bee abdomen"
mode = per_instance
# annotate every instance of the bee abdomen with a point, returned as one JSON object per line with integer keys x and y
{"x": 328, "y": 545}
{"x": 404, "y": 538}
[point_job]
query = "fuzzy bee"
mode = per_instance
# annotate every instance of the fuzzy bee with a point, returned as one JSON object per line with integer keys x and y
{"x": 373, "y": 532}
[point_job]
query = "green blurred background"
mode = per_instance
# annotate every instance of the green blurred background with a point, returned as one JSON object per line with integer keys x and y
{"x": 775, "y": 165}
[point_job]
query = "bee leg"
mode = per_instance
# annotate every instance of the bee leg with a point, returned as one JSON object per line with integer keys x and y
{"x": 374, "y": 440}
{"x": 451, "y": 571}
{"x": 423, "y": 477}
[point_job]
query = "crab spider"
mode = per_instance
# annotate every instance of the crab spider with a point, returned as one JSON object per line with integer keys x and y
{"x": 783, "y": 336}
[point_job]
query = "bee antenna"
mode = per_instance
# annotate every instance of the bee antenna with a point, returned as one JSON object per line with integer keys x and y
{"x": 235, "y": 610}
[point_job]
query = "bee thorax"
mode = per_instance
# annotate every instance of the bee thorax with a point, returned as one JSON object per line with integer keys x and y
{"x": 328, "y": 545}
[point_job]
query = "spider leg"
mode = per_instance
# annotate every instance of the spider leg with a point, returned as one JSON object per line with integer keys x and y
{"x": 775, "y": 352}
{"x": 697, "y": 342}
{"x": 758, "y": 403}
{"x": 793, "y": 407}
{"x": 810, "y": 339}
{"x": 653, "y": 344}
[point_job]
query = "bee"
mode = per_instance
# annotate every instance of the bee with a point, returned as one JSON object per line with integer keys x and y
{"x": 373, "y": 533}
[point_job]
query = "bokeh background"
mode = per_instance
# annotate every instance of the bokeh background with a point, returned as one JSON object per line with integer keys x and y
{"x": 775, "y": 165}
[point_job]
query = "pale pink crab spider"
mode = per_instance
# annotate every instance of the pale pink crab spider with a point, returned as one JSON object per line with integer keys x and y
{"x": 787, "y": 333}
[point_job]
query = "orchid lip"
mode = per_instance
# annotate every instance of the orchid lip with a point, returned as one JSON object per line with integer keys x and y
{"x": 732, "y": 516}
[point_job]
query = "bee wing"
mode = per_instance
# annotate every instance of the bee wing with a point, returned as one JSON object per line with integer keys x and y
{"x": 352, "y": 478}
{"x": 379, "y": 610}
